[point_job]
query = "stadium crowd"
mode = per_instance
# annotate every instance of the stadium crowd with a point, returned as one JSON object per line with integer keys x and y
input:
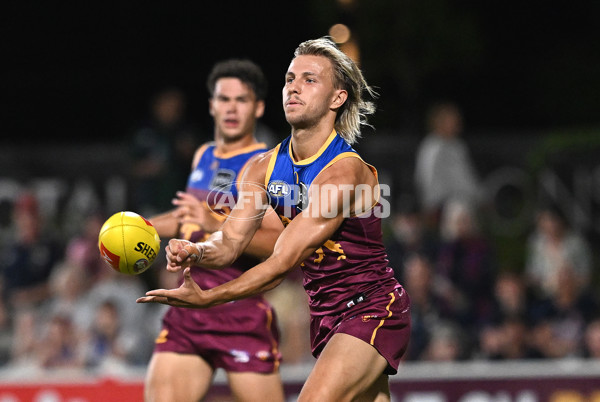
{"x": 61, "y": 306}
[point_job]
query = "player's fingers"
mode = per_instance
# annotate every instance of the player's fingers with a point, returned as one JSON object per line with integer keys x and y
{"x": 162, "y": 300}
{"x": 191, "y": 253}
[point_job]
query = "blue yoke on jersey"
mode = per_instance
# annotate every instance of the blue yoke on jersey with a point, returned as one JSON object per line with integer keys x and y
{"x": 214, "y": 180}
{"x": 353, "y": 261}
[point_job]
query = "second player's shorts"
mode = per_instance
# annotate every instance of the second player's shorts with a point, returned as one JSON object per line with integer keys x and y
{"x": 240, "y": 336}
{"x": 381, "y": 321}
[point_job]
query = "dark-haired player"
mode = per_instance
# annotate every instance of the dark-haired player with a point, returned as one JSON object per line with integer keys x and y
{"x": 240, "y": 337}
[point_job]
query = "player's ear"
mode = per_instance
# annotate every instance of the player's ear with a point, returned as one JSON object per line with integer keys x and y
{"x": 340, "y": 96}
{"x": 211, "y": 110}
{"x": 260, "y": 109}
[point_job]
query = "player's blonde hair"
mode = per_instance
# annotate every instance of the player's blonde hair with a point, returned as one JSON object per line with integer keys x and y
{"x": 347, "y": 76}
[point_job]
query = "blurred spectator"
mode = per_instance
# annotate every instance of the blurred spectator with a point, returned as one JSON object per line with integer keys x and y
{"x": 104, "y": 344}
{"x": 409, "y": 235}
{"x": 119, "y": 289}
{"x": 512, "y": 299}
{"x": 26, "y": 323}
{"x": 428, "y": 307}
{"x": 443, "y": 166}
{"x": 59, "y": 345}
{"x": 504, "y": 333}
{"x": 552, "y": 246}
{"x": 28, "y": 260}
{"x": 467, "y": 262}
{"x": 162, "y": 150}
{"x": 507, "y": 339}
{"x": 69, "y": 287}
{"x": 560, "y": 320}
{"x": 591, "y": 344}
{"x": 82, "y": 249}
{"x": 446, "y": 343}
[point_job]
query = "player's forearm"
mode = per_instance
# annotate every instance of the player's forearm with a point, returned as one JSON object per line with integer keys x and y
{"x": 166, "y": 225}
{"x": 263, "y": 277}
{"x": 218, "y": 251}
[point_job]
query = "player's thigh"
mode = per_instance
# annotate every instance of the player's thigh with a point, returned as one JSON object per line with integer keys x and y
{"x": 346, "y": 369}
{"x": 256, "y": 387}
{"x": 177, "y": 377}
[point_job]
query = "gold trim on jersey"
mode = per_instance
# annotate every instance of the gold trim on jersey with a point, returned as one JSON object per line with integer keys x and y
{"x": 315, "y": 156}
{"x": 246, "y": 149}
{"x": 271, "y": 165}
{"x": 199, "y": 152}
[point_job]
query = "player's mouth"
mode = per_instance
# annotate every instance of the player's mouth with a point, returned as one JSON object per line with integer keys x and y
{"x": 231, "y": 123}
{"x": 292, "y": 102}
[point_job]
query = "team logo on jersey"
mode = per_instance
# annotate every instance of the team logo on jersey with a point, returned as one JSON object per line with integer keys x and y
{"x": 302, "y": 200}
{"x": 222, "y": 180}
{"x": 279, "y": 188}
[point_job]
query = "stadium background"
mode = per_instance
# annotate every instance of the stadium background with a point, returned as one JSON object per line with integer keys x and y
{"x": 78, "y": 76}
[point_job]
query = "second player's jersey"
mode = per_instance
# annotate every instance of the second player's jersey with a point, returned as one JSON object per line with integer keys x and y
{"x": 214, "y": 181}
{"x": 352, "y": 265}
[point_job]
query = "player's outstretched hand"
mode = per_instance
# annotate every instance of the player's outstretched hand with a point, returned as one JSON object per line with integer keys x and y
{"x": 187, "y": 295}
{"x": 182, "y": 254}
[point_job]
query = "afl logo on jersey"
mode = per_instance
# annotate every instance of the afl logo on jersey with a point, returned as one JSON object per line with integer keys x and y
{"x": 279, "y": 188}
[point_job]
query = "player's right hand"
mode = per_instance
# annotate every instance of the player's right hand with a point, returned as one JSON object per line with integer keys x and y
{"x": 182, "y": 254}
{"x": 188, "y": 295}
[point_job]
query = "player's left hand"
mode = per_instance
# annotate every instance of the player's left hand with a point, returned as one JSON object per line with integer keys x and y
{"x": 188, "y": 295}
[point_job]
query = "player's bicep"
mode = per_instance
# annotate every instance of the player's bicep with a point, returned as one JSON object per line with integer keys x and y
{"x": 247, "y": 215}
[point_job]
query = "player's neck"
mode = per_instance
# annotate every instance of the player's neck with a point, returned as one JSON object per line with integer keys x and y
{"x": 227, "y": 145}
{"x": 307, "y": 142}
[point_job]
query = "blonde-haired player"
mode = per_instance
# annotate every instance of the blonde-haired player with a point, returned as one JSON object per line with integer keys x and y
{"x": 360, "y": 317}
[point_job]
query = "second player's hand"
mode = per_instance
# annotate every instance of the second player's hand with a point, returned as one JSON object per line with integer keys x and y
{"x": 182, "y": 254}
{"x": 189, "y": 208}
{"x": 188, "y": 295}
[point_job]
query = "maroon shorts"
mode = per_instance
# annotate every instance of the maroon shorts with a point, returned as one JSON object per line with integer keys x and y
{"x": 240, "y": 336}
{"x": 381, "y": 321}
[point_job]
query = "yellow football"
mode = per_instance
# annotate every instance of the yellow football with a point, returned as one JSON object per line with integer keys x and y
{"x": 128, "y": 243}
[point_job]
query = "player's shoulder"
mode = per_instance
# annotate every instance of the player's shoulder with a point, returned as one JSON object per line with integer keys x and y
{"x": 263, "y": 157}
{"x": 200, "y": 151}
{"x": 350, "y": 169}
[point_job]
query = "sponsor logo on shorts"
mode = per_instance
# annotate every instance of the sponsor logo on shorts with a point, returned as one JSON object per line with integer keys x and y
{"x": 240, "y": 356}
{"x": 263, "y": 355}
